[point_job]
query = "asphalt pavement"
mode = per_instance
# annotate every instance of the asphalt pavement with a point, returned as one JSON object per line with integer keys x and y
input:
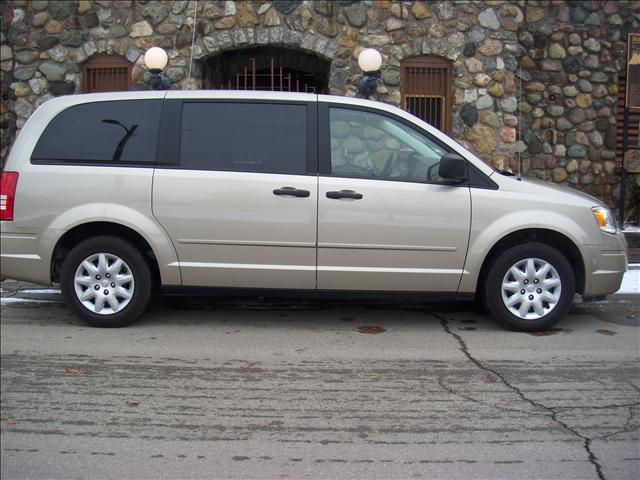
{"x": 269, "y": 388}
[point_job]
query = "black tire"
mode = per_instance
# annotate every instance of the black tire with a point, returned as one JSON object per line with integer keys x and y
{"x": 133, "y": 279}
{"x": 526, "y": 297}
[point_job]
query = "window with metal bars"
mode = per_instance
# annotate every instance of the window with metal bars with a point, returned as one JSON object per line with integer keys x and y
{"x": 425, "y": 87}
{"x": 633, "y": 133}
{"x": 106, "y": 73}
{"x": 267, "y": 68}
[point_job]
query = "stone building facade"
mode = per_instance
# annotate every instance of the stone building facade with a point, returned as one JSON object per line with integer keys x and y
{"x": 533, "y": 84}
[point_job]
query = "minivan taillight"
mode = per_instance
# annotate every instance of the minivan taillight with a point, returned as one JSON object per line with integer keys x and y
{"x": 8, "y": 182}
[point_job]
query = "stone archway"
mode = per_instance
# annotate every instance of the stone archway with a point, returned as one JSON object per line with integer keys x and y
{"x": 266, "y": 68}
{"x": 313, "y": 44}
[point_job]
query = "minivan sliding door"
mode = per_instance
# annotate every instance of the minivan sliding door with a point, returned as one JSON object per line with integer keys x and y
{"x": 241, "y": 204}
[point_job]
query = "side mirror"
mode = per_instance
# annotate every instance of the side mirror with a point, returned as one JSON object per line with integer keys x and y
{"x": 453, "y": 167}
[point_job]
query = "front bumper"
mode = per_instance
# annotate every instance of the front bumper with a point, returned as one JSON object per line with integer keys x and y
{"x": 605, "y": 265}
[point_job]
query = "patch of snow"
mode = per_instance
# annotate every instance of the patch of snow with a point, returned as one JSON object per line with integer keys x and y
{"x": 631, "y": 228}
{"x": 42, "y": 290}
{"x": 630, "y": 281}
{"x": 8, "y": 300}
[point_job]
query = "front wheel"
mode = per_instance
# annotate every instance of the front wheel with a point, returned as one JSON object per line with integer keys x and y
{"x": 106, "y": 282}
{"x": 529, "y": 287}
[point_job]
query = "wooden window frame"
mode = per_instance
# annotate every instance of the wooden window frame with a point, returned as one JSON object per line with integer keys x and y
{"x": 106, "y": 62}
{"x": 634, "y": 120}
{"x": 431, "y": 63}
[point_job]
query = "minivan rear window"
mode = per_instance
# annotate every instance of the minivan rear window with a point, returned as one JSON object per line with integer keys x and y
{"x": 117, "y": 132}
{"x": 245, "y": 137}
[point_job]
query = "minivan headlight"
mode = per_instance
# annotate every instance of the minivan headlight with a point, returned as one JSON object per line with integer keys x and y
{"x": 605, "y": 219}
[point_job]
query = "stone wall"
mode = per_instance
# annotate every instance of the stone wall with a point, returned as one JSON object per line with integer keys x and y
{"x": 534, "y": 87}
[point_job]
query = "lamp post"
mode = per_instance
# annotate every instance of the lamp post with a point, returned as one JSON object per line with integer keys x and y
{"x": 156, "y": 59}
{"x": 369, "y": 61}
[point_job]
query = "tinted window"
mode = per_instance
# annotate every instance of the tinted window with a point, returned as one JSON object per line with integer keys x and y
{"x": 251, "y": 137}
{"x": 122, "y": 131}
{"x": 369, "y": 145}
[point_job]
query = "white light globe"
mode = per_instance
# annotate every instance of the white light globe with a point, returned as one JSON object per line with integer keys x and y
{"x": 156, "y": 58}
{"x": 370, "y": 60}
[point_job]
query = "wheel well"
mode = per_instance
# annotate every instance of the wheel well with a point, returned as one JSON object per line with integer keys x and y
{"x": 88, "y": 230}
{"x": 548, "y": 237}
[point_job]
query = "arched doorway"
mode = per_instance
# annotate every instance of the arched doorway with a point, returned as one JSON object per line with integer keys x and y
{"x": 266, "y": 68}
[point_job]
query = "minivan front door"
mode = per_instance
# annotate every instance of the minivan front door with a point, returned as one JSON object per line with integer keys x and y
{"x": 386, "y": 220}
{"x": 241, "y": 208}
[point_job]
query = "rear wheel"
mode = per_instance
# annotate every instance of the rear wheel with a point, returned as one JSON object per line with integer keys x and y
{"x": 529, "y": 287}
{"x": 106, "y": 282}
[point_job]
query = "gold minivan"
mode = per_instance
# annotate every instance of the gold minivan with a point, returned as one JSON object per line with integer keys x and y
{"x": 119, "y": 195}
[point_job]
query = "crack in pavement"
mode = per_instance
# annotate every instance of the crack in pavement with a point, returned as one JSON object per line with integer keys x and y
{"x": 469, "y": 398}
{"x": 550, "y": 412}
{"x": 600, "y": 407}
{"x": 625, "y": 428}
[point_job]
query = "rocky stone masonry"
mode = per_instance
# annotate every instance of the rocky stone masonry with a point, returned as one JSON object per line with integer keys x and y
{"x": 534, "y": 81}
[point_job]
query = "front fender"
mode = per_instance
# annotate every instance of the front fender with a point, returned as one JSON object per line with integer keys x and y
{"x": 484, "y": 235}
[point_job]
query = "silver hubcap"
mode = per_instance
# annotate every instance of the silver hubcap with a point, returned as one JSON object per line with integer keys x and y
{"x": 104, "y": 283}
{"x": 531, "y": 288}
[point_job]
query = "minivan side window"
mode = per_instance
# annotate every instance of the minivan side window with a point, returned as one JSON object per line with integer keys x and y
{"x": 244, "y": 137}
{"x": 115, "y": 132}
{"x": 369, "y": 145}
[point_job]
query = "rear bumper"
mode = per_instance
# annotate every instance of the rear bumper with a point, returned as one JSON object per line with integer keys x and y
{"x": 22, "y": 255}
